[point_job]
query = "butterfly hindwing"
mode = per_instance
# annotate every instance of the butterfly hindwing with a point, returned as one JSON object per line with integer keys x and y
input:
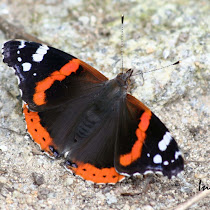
{"x": 151, "y": 147}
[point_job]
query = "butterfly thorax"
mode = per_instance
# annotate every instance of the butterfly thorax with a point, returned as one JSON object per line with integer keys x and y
{"x": 116, "y": 89}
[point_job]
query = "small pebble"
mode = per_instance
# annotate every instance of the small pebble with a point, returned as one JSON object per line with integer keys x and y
{"x": 3, "y": 148}
{"x": 3, "y": 179}
{"x": 38, "y": 178}
{"x": 84, "y": 20}
{"x": 110, "y": 198}
{"x": 69, "y": 181}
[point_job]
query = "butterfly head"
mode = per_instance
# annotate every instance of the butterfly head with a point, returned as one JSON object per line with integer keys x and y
{"x": 123, "y": 79}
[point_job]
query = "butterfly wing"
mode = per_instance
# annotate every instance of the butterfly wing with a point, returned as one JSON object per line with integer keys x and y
{"x": 49, "y": 77}
{"x": 144, "y": 143}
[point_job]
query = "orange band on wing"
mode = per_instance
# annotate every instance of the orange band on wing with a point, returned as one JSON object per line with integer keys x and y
{"x": 135, "y": 153}
{"x": 37, "y": 131}
{"x": 39, "y": 97}
{"x": 96, "y": 175}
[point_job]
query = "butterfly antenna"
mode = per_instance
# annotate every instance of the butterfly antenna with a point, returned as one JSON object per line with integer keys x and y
{"x": 122, "y": 39}
{"x": 163, "y": 67}
{"x": 141, "y": 73}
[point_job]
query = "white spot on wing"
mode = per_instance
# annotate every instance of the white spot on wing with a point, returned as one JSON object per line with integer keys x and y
{"x": 124, "y": 174}
{"x": 162, "y": 145}
{"x": 148, "y": 172}
{"x": 35, "y": 74}
{"x": 26, "y": 66}
{"x": 136, "y": 174}
{"x": 40, "y": 52}
{"x": 177, "y": 154}
{"x": 44, "y": 46}
{"x": 37, "y": 57}
{"x": 19, "y": 59}
{"x": 165, "y": 163}
{"x": 18, "y": 52}
{"x": 157, "y": 159}
{"x": 167, "y": 138}
{"x": 159, "y": 173}
{"x": 22, "y": 44}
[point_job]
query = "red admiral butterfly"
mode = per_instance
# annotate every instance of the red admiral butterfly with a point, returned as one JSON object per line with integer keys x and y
{"x": 72, "y": 110}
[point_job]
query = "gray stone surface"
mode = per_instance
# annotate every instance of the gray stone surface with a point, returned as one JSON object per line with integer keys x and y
{"x": 156, "y": 34}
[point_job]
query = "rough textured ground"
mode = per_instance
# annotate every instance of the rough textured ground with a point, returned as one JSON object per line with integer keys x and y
{"x": 156, "y": 34}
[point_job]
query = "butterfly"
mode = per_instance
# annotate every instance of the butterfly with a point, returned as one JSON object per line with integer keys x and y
{"x": 73, "y": 111}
